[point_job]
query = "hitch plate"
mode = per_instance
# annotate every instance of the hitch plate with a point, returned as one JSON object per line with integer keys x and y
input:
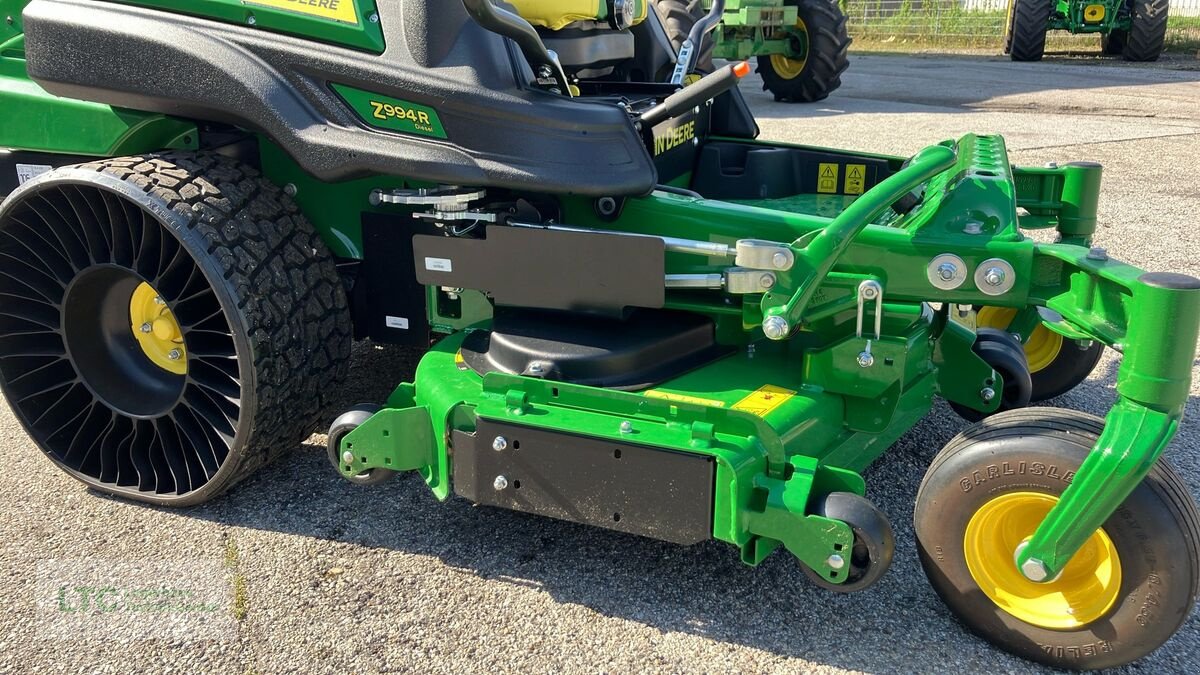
{"x": 620, "y": 486}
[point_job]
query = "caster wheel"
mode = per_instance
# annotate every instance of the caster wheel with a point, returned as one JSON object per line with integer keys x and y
{"x": 1005, "y": 355}
{"x": 169, "y": 323}
{"x": 1126, "y": 592}
{"x": 874, "y": 542}
{"x": 343, "y": 425}
{"x": 1056, "y": 364}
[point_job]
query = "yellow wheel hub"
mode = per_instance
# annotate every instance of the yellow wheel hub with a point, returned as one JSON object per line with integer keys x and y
{"x": 1043, "y": 345}
{"x": 1093, "y": 13}
{"x": 788, "y": 68}
{"x": 1084, "y": 592}
{"x": 156, "y": 330}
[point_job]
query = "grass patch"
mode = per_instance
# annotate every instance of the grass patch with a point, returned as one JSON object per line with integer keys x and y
{"x": 241, "y": 599}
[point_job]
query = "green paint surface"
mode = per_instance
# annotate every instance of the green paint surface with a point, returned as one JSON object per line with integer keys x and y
{"x": 392, "y": 114}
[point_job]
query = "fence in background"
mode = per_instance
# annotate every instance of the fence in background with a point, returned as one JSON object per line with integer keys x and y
{"x": 917, "y": 24}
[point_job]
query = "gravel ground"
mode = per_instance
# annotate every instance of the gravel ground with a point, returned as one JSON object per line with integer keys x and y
{"x": 320, "y": 575}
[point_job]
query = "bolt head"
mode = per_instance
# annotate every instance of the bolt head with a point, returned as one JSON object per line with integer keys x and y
{"x": 781, "y": 260}
{"x": 836, "y": 561}
{"x": 251, "y": 20}
{"x": 947, "y": 271}
{"x": 767, "y": 281}
{"x": 500, "y": 443}
{"x": 347, "y": 457}
{"x": 626, "y": 427}
{"x": 147, "y": 327}
{"x": 987, "y": 394}
{"x": 1035, "y": 570}
{"x": 866, "y": 359}
{"x": 973, "y": 228}
{"x": 174, "y": 355}
{"x": 776, "y": 327}
{"x": 290, "y": 189}
{"x": 374, "y": 18}
{"x": 158, "y": 300}
{"x": 994, "y": 276}
{"x": 1097, "y": 253}
{"x": 500, "y": 483}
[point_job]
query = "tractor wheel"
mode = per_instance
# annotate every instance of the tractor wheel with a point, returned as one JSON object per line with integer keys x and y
{"x": 1147, "y": 30}
{"x": 1126, "y": 592}
{"x": 170, "y": 323}
{"x": 819, "y": 44}
{"x": 874, "y": 542}
{"x": 1027, "y": 41}
{"x": 1056, "y": 364}
{"x": 343, "y": 425}
{"x": 1004, "y": 354}
{"x": 1113, "y": 42}
{"x": 678, "y": 17}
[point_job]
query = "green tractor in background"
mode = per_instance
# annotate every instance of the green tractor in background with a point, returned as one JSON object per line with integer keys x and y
{"x": 801, "y": 45}
{"x": 1134, "y": 30}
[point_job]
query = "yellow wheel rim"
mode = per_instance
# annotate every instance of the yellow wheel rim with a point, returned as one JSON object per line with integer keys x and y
{"x": 156, "y": 330}
{"x": 788, "y": 68}
{"x": 1084, "y": 592}
{"x": 1043, "y": 345}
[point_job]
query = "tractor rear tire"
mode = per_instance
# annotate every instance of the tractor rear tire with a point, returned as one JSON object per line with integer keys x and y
{"x": 170, "y": 323}
{"x": 1028, "y": 33}
{"x": 1147, "y": 30}
{"x": 819, "y": 73}
{"x": 678, "y": 17}
{"x": 1113, "y": 42}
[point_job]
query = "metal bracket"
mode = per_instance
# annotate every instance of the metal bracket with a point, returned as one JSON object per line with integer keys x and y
{"x": 869, "y": 291}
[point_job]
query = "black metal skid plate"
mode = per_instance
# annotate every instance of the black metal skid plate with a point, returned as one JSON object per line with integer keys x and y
{"x": 637, "y": 489}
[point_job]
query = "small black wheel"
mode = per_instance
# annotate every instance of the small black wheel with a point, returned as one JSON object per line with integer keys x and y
{"x": 169, "y": 324}
{"x": 1125, "y": 593}
{"x": 1056, "y": 364}
{"x": 343, "y": 425}
{"x": 818, "y": 54}
{"x": 1027, "y": 32}
{"x": 678, "y": 17}
{"x": 1005, "y": 355}
{"x": 1147, "y": 30}
{"x": 874, "y": 542}
{"x": 1113, "y": 42}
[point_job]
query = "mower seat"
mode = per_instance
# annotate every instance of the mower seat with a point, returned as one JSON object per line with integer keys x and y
{"x": 587, "y": 35}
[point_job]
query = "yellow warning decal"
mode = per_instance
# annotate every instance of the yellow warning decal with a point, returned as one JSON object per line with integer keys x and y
{"x": 767, "y": 398}
{"x": 683, "y": 398}
{"x": 827, "y": 179}
{"x": 459, "y": 361}
{"x": 856, "y": 179}
{"x": 334, "y": 10}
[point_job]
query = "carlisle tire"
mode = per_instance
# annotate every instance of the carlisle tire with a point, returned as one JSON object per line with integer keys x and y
{"x": 169, "y": 323}
{"x": 1125, "y": 593}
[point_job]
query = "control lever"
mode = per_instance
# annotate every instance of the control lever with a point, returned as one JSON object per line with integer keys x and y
{"x": 707, "y": 88}
{"x": 544, "y": 62}
{"x": 690, "y": 48}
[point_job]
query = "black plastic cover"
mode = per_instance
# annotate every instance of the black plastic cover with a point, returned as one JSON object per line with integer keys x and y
{"x": 648, "y": 348}
{"x": 501, "y": 133}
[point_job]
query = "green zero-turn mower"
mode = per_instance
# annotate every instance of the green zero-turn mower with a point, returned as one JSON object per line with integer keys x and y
{"x": 1134, "y": 29}
{"x": 636, "y": 315}
{"x": 801, "y": 45}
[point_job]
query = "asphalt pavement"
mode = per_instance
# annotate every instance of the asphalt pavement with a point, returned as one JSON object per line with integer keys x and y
{"x": 314, "y": 574}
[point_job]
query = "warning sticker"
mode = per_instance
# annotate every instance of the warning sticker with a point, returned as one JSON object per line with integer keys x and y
{"x": 827, "y": 179}
{"x": 334, "y": 10}
{"x": 767, "y": 398}
{"x": 683, "y": 398}
{"x": 856, "y": 179}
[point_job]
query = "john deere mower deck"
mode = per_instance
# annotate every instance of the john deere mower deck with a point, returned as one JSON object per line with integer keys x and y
{"x": 637, "y": 315}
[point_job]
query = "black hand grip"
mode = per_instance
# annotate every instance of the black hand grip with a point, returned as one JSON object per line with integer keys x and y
{"x": 517, "y": 29}
{"x": 709, "y": 87}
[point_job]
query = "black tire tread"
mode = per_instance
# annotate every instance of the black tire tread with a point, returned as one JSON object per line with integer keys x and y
{"x": 1074, "y": 424}
{"x": 1029, "y": 29}
{"x": 1147, "y": 30}
{"x": 828, "y": 55}
{"x": 678, "y": 17}
{"x": 288, "y": 291}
